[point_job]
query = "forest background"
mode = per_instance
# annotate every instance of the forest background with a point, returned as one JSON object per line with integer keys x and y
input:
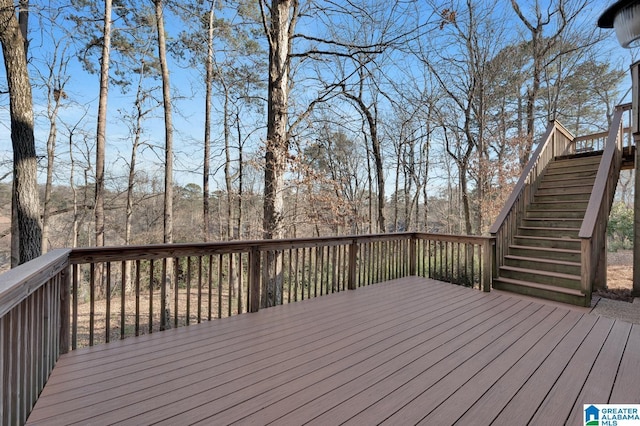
{"x": 294, "y": 118}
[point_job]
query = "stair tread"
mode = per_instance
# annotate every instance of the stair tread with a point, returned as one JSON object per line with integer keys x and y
{"x": 554, "y": 219}
{"x": 574, "y": 190}
{"x": 539, "y": 272}
{"x": 542, "y": 260}
{"x": 564, "y": 290}
{"x": 549, "y": 238}
{"x": 545, "y": 249}
{"x": 548, "y": 228}
{"x": 556, "y": 210}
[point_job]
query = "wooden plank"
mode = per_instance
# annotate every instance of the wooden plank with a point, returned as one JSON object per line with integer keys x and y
{"x": 250, "y": 395}
{"x": 597, "y": 388}
{"x": 626, "y": 388}
{"x": 409, "y": 348}
{"x": 233, "y": 351}
{"x": 467, "y": 395}
{"x": 301, "y": 405}
{"x": 562, "y": 397}
{"x": 489, "y": 404}
{"x": 430, "y": 389}
{"x": 527, "y": 400}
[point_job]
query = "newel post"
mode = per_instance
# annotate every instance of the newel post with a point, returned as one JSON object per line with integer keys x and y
{"x": 254, "y": 280}
{"x": 353, "y": 262}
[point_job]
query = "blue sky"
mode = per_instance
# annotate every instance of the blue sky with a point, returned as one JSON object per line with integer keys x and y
{"x": 188, "y": 113}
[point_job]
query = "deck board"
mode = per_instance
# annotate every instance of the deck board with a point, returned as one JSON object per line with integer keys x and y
{"x": 405, "y": 351}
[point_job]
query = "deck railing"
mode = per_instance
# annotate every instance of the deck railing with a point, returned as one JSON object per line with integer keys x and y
{"x": 81, "y": 297}
{"x": 34, "y": 330}
{"x": 556, "y": 141}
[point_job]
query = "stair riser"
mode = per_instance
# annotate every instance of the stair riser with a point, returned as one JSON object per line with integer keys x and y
{"x": 566, "y": 183}
{"x": 553, "y": 232}
{"x": 524, "y": 252}
{"x": 560, "y": 205}
{"x": 562, "y": 191}
{"x": 544, "y": 294}
{"x": 556, "y": 214}
{"x": 542, "y": 279}
{"x": 574, "y": 165}
{"x": 564, "y": 173}
{"x": 543, "y": 266}
{"x": 524, "y": 241}
{"x": 553, "y": 223}
{"x": 591, "y": 159}
{"x": 562, "y": 197}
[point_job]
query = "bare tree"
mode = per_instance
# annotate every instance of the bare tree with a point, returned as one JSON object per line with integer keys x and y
{"x": 25, "y": 188}
{"x": 55, "y": 82}
{"x": 168, "y": 168}
{"x": 548, "y": 27}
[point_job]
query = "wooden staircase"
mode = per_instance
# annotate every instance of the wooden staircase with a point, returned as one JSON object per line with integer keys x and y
{"x": 544, "y": 259}
{"x": 550, "y": 237}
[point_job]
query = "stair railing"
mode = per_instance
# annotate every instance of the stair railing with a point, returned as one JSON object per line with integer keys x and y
{"x": 556, "y": 141}
{"x": 594, "y": 226}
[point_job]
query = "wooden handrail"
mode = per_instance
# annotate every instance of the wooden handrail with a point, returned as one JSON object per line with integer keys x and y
{"x": 546, "y": 142}
{"x": 34, "y": 330}
{"x": 593, "y": 230}
{"x": 19, "y": 283}
{"x": 602, "y": 177}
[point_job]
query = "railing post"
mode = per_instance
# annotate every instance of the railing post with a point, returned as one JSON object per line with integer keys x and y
{"x": 487, "y": 266}
{"x": 353, "y": 265}
{"x": 413, "y": 253}
{"x": 65, "y": 311}
{"x": 254, "y": 280}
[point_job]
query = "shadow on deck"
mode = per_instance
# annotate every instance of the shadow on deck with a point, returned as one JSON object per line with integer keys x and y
{"x": 408, "y": 351}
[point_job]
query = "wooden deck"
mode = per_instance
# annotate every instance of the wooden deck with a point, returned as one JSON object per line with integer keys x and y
{"x": 403, "y": 352}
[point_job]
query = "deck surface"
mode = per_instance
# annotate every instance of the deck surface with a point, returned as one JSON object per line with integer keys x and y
{"x": 408, "y": 351}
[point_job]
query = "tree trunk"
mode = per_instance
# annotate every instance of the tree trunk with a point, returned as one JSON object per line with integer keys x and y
{"x": 206, "y": 168}
{"x": 102, "y": 125}
{"x": 168, "y": 177}
{"x": 279, "y": 30}
{"x": 25, "y": 194}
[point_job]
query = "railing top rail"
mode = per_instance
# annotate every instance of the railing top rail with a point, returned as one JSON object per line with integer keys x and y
{"x": 519, "y": 187}
{"x": 602, "y": 176}
{"x": 474, "y": 239}
{"x": 159, "y": 251}
{"x": 18, "y": 283}
{"x": 618, "y": 108}
{"x": 591, "y": 136}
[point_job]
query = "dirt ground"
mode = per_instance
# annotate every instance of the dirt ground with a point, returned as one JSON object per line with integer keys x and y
{"x": 619, "y": 276}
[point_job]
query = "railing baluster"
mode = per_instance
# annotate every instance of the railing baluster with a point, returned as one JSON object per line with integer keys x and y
{"x": 210, "y": 287}
{"x": 107, "y": 320}
{"x": 219, "y": 264}
{"x": 176, "y": 291}
{"x": 199, "y": 289}
{"x": 92, "y": 286}
{"x": 74, "y": 321}
{"x": 164, "y": 321}
{"x": 151, "y": 265}
{"x": 188, "y": 290}
{"x": 138, "y": 272}
{"x": 123, "y": 285}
